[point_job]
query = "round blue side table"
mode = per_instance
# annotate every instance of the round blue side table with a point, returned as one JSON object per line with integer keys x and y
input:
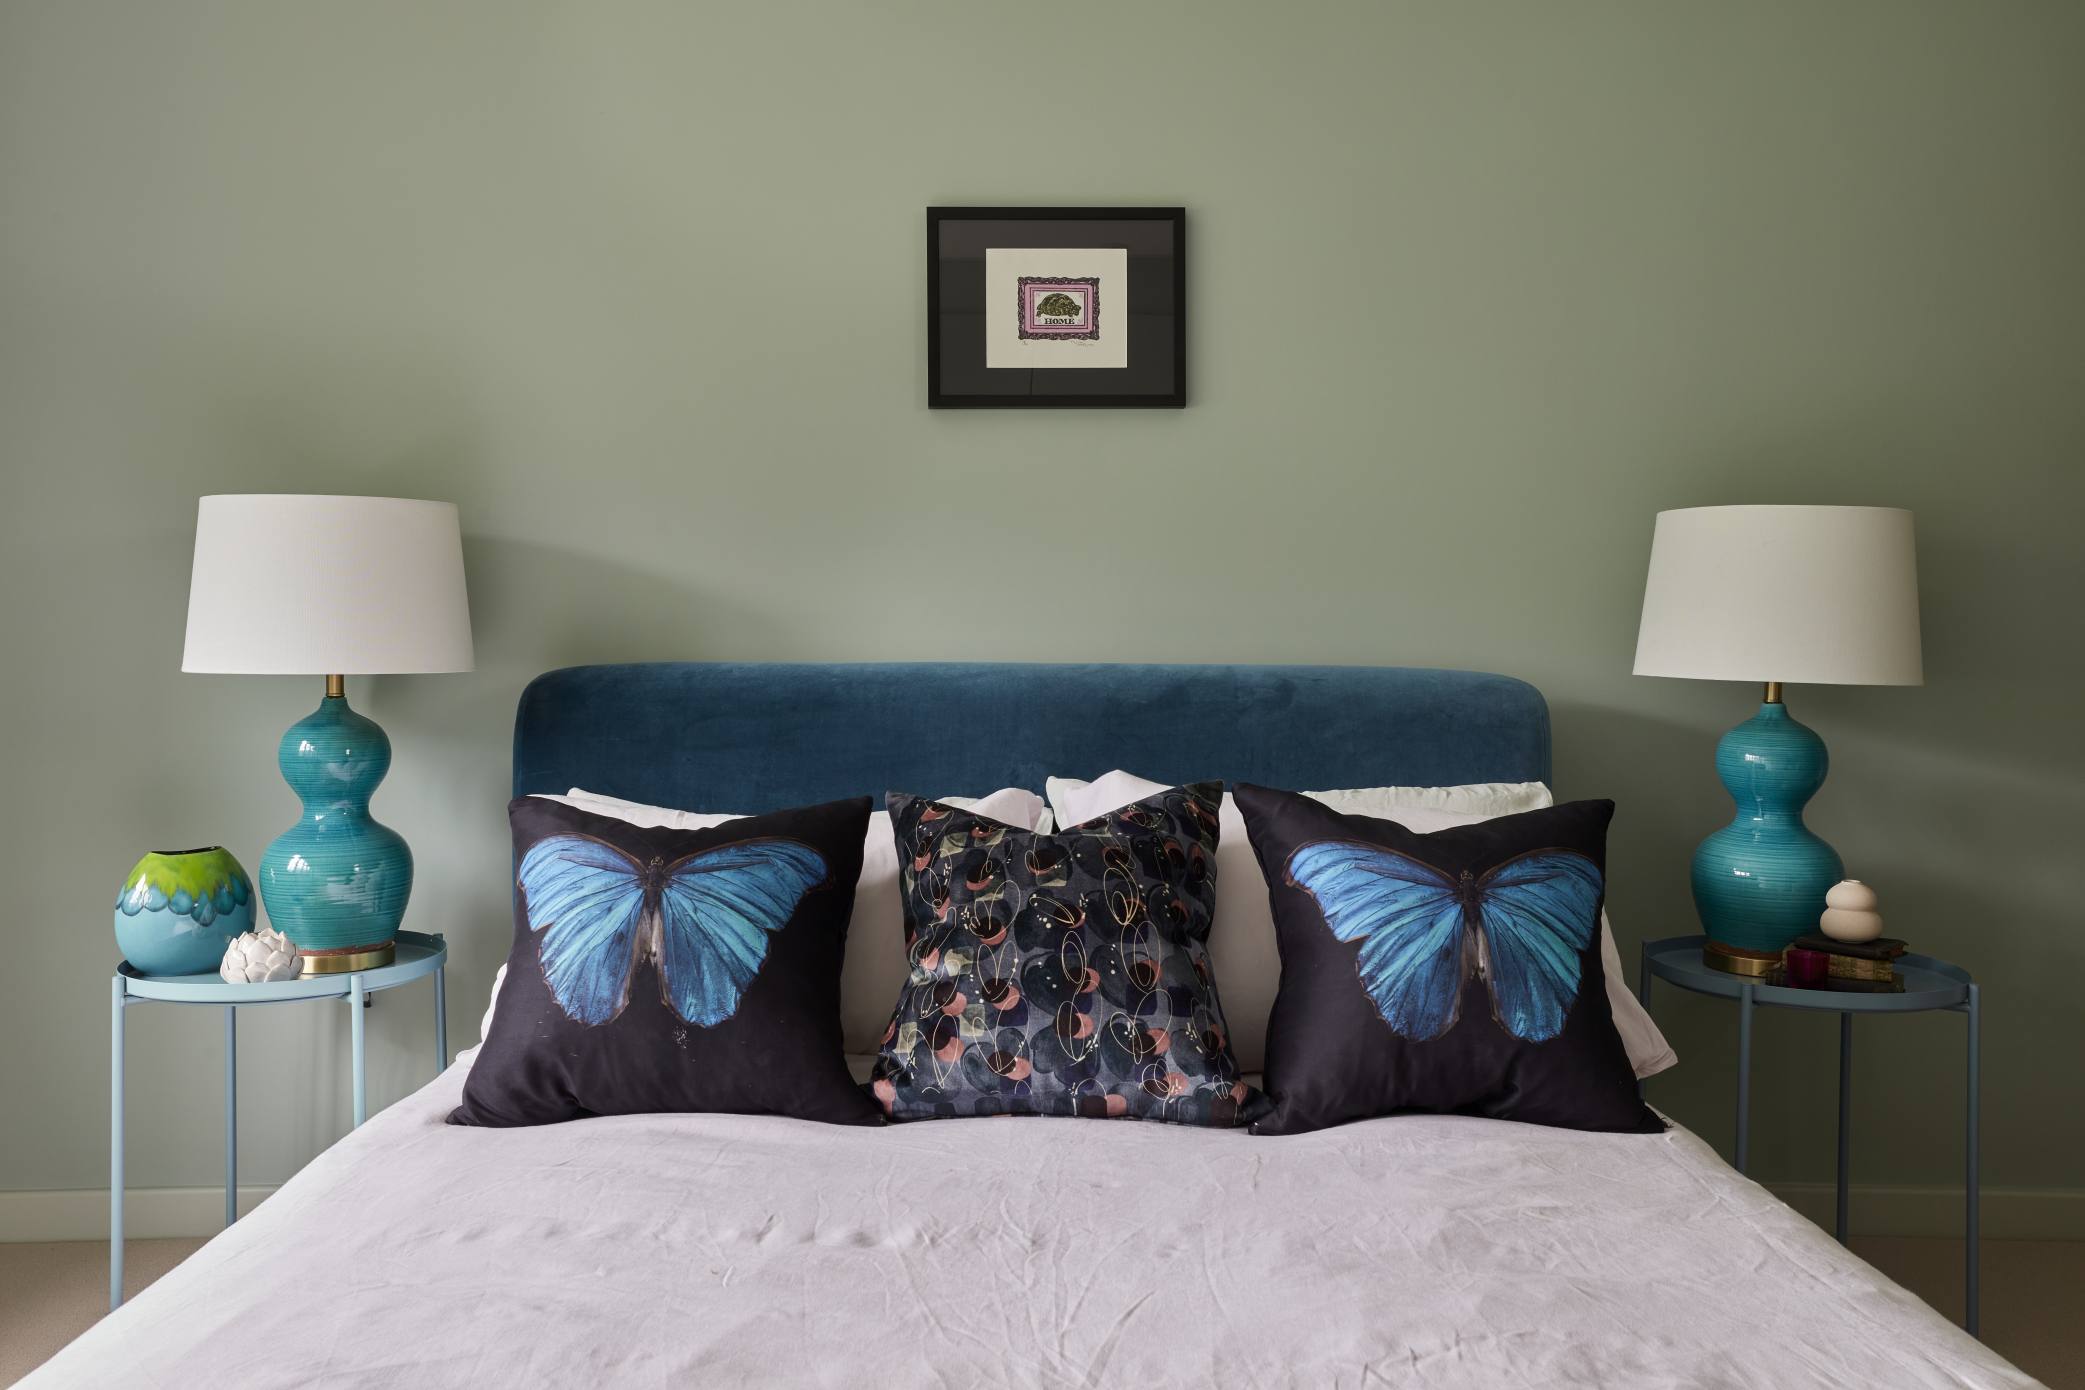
{"x": 418, "y": 956}
{"x": 1929, "y": 984}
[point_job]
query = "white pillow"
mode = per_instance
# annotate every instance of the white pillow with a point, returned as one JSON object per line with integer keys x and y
{"x": 492, "y": 1001}
{"x": 1119, "y": 788}
{"x": 1242, "y": 949}
{"x": 876, "y": 965}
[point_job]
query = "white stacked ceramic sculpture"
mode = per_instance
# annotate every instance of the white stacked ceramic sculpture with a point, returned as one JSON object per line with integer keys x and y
{"x": 1850, "y": 913}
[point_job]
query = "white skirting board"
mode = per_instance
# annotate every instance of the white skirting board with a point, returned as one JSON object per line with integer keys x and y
{"x": 148, "y": 1212}
{"x": 2010, "y": 1213}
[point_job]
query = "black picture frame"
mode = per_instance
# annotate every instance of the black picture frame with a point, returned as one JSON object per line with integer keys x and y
{"x": 1155, "y": 309}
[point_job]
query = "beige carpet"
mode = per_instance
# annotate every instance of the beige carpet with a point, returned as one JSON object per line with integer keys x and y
{"x": 52, "y": 1292}
{"x": 2034, "y": 1295}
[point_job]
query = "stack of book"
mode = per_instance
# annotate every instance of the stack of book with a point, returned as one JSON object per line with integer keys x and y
{"x": 1859, "y": 966}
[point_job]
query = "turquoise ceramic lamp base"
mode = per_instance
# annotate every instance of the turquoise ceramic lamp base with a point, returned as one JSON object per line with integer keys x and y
{"x": 336, "y": 882}
{"x": 1760, "y": 881}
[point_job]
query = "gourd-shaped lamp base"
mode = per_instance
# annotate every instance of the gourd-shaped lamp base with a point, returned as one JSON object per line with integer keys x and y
{"x": 337, "y": 881}
{"x": 1760, "y": 881}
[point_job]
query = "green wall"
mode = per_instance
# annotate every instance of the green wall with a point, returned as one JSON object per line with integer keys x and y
{"x": 1477, "y": 289}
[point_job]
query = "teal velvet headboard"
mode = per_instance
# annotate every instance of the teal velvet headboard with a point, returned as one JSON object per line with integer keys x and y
{"x": 752, "y": 737}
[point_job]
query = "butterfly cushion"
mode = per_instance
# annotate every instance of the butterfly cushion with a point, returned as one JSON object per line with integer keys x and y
{"x": 656, "y": 969}
{"x": 1457, "y": 972}
{"x": 1060, "y": 974}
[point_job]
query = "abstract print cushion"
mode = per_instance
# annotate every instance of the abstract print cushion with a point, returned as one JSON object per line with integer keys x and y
{"x": 1457, "y": 972}
{"x": 1063, "y": 973}
{"x": 657, "y": 969}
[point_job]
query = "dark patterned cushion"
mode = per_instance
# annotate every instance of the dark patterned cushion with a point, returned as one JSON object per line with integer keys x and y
{"x": 1061, "y": 974}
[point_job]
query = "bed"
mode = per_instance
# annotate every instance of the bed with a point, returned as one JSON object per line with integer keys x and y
{"x": 722, "y": 1250}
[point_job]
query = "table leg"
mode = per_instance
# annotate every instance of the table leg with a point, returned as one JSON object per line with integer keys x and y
{"x": 1744, "y": 1077}
{"x": 231, "y": 1113}
{"x": 1972, "y": 1225}
{"x": 116, "y": 1143}
{"x": 356, "y": 999}
{"x": 441, "y": 1021}
{"x": 1845, "y": 1118}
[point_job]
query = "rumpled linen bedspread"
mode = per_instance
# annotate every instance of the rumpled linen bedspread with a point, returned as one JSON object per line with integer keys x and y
{"x": 711, "y": 1250}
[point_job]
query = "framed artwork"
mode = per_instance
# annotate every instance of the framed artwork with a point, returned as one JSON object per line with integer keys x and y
{"x": 1056, "y": 307}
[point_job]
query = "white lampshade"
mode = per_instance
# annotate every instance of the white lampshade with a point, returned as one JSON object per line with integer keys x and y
{"x": 286, "y": 584}
{"x": 1810, "y": 595}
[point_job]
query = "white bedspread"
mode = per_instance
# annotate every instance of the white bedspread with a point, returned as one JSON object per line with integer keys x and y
{"x": 716, "y": 1251}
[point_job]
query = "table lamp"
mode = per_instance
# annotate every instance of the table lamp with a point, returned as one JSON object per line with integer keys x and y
{"x": 334, "y": 587}
{"x": 1779, "y": 596}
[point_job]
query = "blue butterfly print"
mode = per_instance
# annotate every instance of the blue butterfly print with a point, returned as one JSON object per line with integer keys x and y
{"x": 702, "y": 919}
{"x": 1519, "y": 926}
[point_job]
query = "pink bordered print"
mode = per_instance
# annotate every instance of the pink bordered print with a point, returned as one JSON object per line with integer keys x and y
{"x": 1059, "y": 307}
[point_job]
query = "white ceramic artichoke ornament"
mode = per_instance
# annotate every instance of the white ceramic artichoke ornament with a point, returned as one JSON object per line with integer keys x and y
{"x": 258, "y": 957}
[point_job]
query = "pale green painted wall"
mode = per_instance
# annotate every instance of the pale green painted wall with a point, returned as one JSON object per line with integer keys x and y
{"x": 1477, "y": 290}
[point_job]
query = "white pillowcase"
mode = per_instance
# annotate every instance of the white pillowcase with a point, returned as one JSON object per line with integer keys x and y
{"x": 876, "y": 964}
{"x": 1118, "y": 788}
{"x": 1242, "y": 947}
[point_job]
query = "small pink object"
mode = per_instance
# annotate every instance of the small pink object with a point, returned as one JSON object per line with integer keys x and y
{"x": 1807, "y": 969}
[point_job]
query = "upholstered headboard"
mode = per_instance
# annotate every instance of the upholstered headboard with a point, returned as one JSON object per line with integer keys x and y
{"x": 750, "y": 737}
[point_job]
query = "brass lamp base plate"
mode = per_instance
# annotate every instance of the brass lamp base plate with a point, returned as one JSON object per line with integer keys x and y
{"x": 347, "y": 961}
{"x": 1735, "y": 960}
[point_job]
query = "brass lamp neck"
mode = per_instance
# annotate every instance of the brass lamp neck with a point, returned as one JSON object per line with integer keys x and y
{"x": 1773, "y": 692}
{"x": 336, "y": 688}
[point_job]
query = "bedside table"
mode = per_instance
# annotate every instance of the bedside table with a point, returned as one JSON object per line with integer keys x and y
{"x": 1929, "y": 984}
{"x": 418, "y": 956}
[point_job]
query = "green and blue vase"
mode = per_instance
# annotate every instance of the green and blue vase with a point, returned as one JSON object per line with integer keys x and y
{"x": 179, "y": 909}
